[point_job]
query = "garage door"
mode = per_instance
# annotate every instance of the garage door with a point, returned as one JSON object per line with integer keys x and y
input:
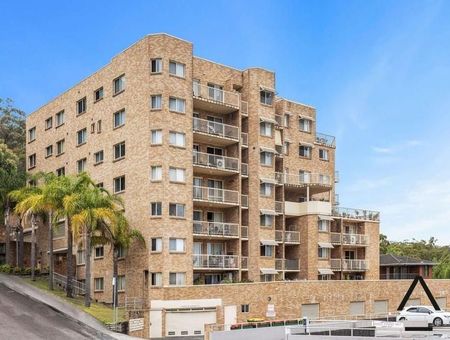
{"x": 188, "y": 322}
{"x": 310, "y": 310}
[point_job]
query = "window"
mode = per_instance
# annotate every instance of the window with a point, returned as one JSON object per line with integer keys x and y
{"x": 81, "y": 136}
{"x": 156, "y": 173}
{"x": 265, "y": 220}
{"x": 99, "y": 185}
{"x": 61, "y": 171}
{"x": 304, "y": 176}
{"x": 324, "y": 253}
{"x": 304, "y": 125}
{"x": 49, "y": 151}
{"x": 156, "y": 102}
{"x": 245, "y": 308}
{"x": 98, "y": 94}
{"x": 265, "y": 129}
{"x": 81, "y": 106}
{"x": 323, "y": 225}
{"x": 121, "y": 283}
{"x": 121, "y": 252}
{"x": 119, "y": 118}
{"x": 156, "y": 279}
{"x": 265, "y": 189}
{"x": 60, "y": 147}
{"x": 177, "y": 104}
{"x": 177, "y": 139}
{"x": 59, "y": 230}
{"x": 304, "y": 151}
{"x": 81, "y": 257}
{"x": 176, "y": 245}
{"x": 156, "y": 244}
{"x": 156, "y": 66}
{"x": 32, "y": 134}
{"x": 266, "y": 97}
{"x": 119, "y": 84}
{"x": 177, "y": 279}
{"x": 286, "y": 120}
{"x": 266, "y": 251}
{"x": 156, "y": 209}
{"x": 266, "y": 158}
{"x": 81, "y": 165}
{"x": 99, "y": 126}
{"x": 31, "y": 161}
{"x": 119, "y": 151}
{"x": 99, "y": 252}
{"x": 119, "y": 184}
{"x": 60, "y": 118}
{"x": 98, "y": 157}
{"x": 92, "y": 127}
{"x": 48, "y": 123}
{"x": 156, "y": 137}
{"x": 323, "y": 154}
{"x": 286, "y": 148}
{"x": 177, "y": 174}
{"x": 176, "y": 210}
{"x": 98, "y": 284}
{"x": 176, "y": 69}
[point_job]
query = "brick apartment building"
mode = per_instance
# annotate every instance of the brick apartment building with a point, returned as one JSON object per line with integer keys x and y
{"x": 226, "y": 180}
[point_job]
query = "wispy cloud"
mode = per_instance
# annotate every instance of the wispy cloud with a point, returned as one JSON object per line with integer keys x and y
{"x": 393, "y": 149}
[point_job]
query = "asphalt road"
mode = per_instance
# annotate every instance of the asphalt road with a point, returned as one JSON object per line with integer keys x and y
{"x": 22, "y": 318}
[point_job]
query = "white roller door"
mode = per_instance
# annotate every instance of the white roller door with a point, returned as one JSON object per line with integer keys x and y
{"x": 188, "y": 322}
{"x": 380, "y": 307}
{"x": 310, "y": 310}
{"x": 357, "y": 308}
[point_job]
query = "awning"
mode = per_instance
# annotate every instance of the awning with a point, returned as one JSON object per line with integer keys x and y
{"x": 264, "y": 149}
{"x": 58, "y": 251}
{"x": 266, "y": 271}
{"x": 307, "y": 144}
{"x": 325, "y": 245}
{"x": 266, "y": 88}
{"x": 325, "y": 271}
{"x": 269, "y": 243}
{"x": 268, "y": 120}
{"x": 326, "y": 218}
{"x": 267, "y": 212}
{"x": 287, "y": 140}
{"x": 268, "y": 180}
{"x": 288, "y": 113}
{"x": 306, "y": 117}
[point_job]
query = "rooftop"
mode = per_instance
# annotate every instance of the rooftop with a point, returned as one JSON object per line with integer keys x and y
{"x": 391, "y": 259}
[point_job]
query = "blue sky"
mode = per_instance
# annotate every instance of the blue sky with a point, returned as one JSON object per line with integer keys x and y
{"x": 378, "y": 73}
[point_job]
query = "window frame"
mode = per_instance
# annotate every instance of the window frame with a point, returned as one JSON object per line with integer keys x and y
{"x": 58, "y": 119}
{"x": 178, "y": 242}
{"x": 32, "y": 161}
{"x": 178, "y": 101}
{"x": 121, "y": 114}
{"x": 266, "y": 97}
{"x": 156, "y": 170}
{"x": 158, "y": 100}
{"x": 159, "y": 65}
{"x": 177, "y": 274}
{"x": 81, "y": 165}
{"x": 155, "y": 133}
{"x": 121, "y": 81}
{"x": 177, "y": 171}
{"x": 102, "y": 255}
{"x": 46, "y": 125}
{"x": 158, "y": 243}
{"x": 177, "y": 206}
{"x": 177, "y": 136}
{"x": 81, "y": 104}
{"x": 120, "y": 150}
{"x": 96, "y": 160}
{"x": 99, "y": 279}
{"x": 32, "y": 134}
{"x": 47, "y": 148}
{"x": 158, "y": 208}
{"x": 82, "y": 132}
{"x": 60, "y": 147}
{"x": 122, "y": 184}
{"x": 98, "y": 91}
{"x": 177, "y": 66}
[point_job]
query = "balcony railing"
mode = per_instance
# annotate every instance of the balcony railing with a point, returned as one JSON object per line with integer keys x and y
{"x": 215, "y": 129}
{"x": 244, "y": 262}
{"x": 356, "y": 214}
{"x": 348, "y": 265}
{"x": 244, "y": 231}
{"x": 349, "y": 239}
{"x": 215, "y": 161}
{"x": 291, "y": 236}
{"x": 291, "y": 264}
{"x": 216, "y": 95}
{"x": 215, "y": 195}
{"x": 279, "y": 264}
{"x": 279, "y": 235}
{"x": 244, "y": 201}
{"x": 279, "y": 207}
{"x": 398, "y": 276}
{"x": 244, "y": 138}
{"x": 325, "y": 140}
{"x": 215, "y": 261}
{"x": 244, "y": 108}
{"x": 244, "y": 169}
{"x": 335, "y": 264}
{"x": 218, "y": 229}
{"x": 335, "y": 238}
{"x": 306, "y": 178}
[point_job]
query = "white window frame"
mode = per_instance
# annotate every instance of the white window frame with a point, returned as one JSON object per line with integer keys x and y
{"x": 323, "y": 253}
{"x": 119, "y": 150}
{"x": 304, "y": 125}
{"x": 60, "y": 119}
{"x": 32, "y": 134}
{"x": 307, "y": 151}
{"x": 268, "y": 250}
{"x": 266, "y": 220}
{"x": 81, "y": 165}
{"x": 265, "y": 189}
{"x": 158, "y": 62}
{"x": 177, "y": 279}
{"x": 324, "y": 154}
{"x": 156, "y": 279}
{"x": 97, "y": 286}
{"x": 156, "y": 137}
{"x": 177, "y": 69}
{"x": 119, "y": 84}
{"x": 177, "y": 139}
{"x": 122, "y": 181}
{"x": 121, "y": 121}
{"x": 266, "y": 158}
{"x": 158, "y": 208}
{"x": 156, "y": 102}
{"x": 81, "y": 257}
{"x": 180, "y": 210}
{"x": 266, "y": 129}
{"x": 48, "y": 123}
{"x": 81, "y": 136}
{"x": 158, "y": 244}
{"x": 177, "y": 245}
{"x": 102, "y": 255}
{"x": 323, "y": 225}
{"x": 121, "y": 283}
{"x": 99, "y": 157}
{"x": 266, "y": 97}
{"x": 177, "y": 175}
{"x": 156, "y": 173}
{"x": 49, "y": 150}
{"x": 177, "y": 104}
{"x": 60, "y": 147}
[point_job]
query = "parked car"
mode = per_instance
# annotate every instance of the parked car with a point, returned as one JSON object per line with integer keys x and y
{"x": 425, "y": 313}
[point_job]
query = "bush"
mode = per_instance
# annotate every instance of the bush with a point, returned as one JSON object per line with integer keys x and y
{"x": 6, "y": 268}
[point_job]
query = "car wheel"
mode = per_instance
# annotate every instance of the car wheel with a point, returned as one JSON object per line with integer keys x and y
{"x": 437, "y": 322}
{"x": 402, "y": 319}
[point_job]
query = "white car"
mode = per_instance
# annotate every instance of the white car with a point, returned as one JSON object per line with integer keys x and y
{"x": 425, "y": 313}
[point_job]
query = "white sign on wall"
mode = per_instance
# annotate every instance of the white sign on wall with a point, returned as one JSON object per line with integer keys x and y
{"x": 135, "y": 324}
{"x": 270, "y": 311}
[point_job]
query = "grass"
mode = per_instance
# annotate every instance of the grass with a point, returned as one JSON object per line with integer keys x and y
{"x": 97, "y": 310}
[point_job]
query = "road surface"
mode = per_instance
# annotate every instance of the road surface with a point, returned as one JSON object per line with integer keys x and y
{"x": 22, "y": 318}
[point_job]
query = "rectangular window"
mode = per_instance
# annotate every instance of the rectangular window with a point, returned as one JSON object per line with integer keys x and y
{"x": 323, "y": 225}
{"x": 49, "y": 151}
{"x": 32, "y": 134}
{"x": 98, "y": 157}
{"x": 81, "y": 257}
{"x": 156, "y": 66}
{"x": 156, "y": 209}
{"x": 156, "y": 173}
{"x": 119, "y": 151}
{"x": 121, "y": 252}
{"x": 265, "y": 129}
{"x": 119, "y": 84}
{"x": 266, "y": 97}
{"x": 323, "y": 253}
{"x": 98, "y": 94}
{"x": 176, "y": 245}
{"x": 304, "y": 151}
{"x": 99, "y": 252}
{"x": 266, "y": 251}
{"x": 323, "y": 154}
{"x": 177, "y": 174}
{"x": 60, "y": 147}
{"x": 286, "y": 120}
{"x": 265, "y": 189}
{"x": 61, "y": 172}
{"x": 31, "y": 161}
{"x": 265, "y": 220}
{"x": 176, "y": 69}
{"x": 304, "y": 176}
{"x": 176, "y": 210}
{"x": 92, "y": 127}
{"x": 304, "y": 125}
{"x": 177, "y": 139}
{"x": 60, "y": 118}
{"x": 266, "y": 158}
{"x": 156, "y": 102}
{"x": 177, "y": 104}
{"x": 81, "y": 106}
{"x": 99, "y": 185}
{"x": 121, "y": 283}
{"x": 119, "y": 118}
{"x": 48, "y": 123}
{"x": 156, "y": 279}
{"x": 119, "y": 184}
{"x": 245, "y": 308}
{"x": 156, "y": 244}
{"x": 99, "y": 126}
{"x": 286, "y": 148}
{"x": 177, "y": 279}
{"x": 156, "y": 137}
{"x": 98, "y": 284}
{"x": 81, "y": 165}
{"x": 59, "y": 230}
{"x": 81, "y": 136}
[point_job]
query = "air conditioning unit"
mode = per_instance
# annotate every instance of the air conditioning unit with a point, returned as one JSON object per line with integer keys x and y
{"x": 220, "y": 162}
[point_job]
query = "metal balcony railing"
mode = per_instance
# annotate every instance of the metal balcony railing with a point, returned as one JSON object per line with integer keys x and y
{"x": 326, "y": 140}
{"x": 244, "y": 262}
{"x": 244, "y": 201}
{"x": 335, "y": 238}
{"x": 244, "y": 138}
{"x": 291, "y": 264}
{"x": 215, "y": 161}
{"x": 215, "y": 261}
{"x": 60, "y": 281}
{"x": 219, "y": 229}
{"x": 348, "y": 265}
{"x": 244, "y": 231}
{"x": 215, "y": 128}
{"x": 305, "y": 178}
{"x": 215, "y": 195}
{"x": 356, "y": 239}
{"x": 244, "y": 169}
{"x": 279, "y": 264}
{"x": 216, "y": 95}
{"x": 291, "y": 236}
{"x": 357, "y": 214}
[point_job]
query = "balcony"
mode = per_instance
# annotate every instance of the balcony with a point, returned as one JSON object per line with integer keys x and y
{"x": 213, "y": 99}
{"x": 244, "y": 169}
{"x": 279, "y": 264}
{"x": 206, "y": 131}
{"x": 306, "y": 179}
{"x": 291, "y": 265}
{"x": 215, "y": 229}
{"x": 326, "y": 140}
{"x": 350, "y": 239}
{"x": 204, "y": 261}
{"x": 205, "y": 163}
{"x": 279, "y": 235}
{"x": 244, "y": 263}
{"x": 244, "y": 232}
{"x": 244, "y": 201}
{"x": 307, "y": 208}
{"x": 292, "y": 237}
{"x": 349, "y": 265}
{"x": 356, "y": 214}
{"x": 215, "y": 197}
{"x": 244, "y": 139}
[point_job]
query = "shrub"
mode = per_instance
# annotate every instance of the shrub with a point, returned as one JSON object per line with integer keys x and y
{"x": 6, "y": 268}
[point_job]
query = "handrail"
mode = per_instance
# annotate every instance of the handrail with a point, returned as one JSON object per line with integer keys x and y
{"x": 306, "y": 178}
{"x": 215, "y": 128}
{"x": 215, "y": 161}
{"x": 217, "y": 95}
{"x": 215, "y": 261}
{"x": 326, "y": 140}
{"x": 216, "y": 229}
{"x": 215, "y": 195}
{"x": 358, "y": 214}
